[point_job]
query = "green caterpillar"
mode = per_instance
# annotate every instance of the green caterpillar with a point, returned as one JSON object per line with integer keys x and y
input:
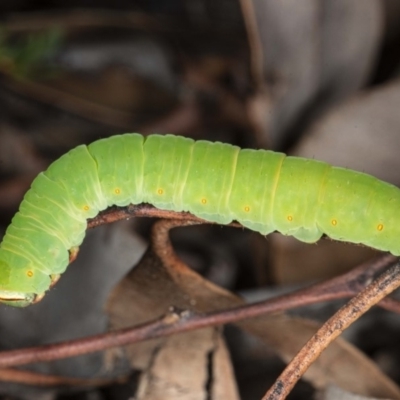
{"x": 263, "y": 190}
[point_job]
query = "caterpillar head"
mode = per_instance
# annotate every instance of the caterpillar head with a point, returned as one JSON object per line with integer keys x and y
{"x": 20, "y": 283}
{"x": 17, "y": 299}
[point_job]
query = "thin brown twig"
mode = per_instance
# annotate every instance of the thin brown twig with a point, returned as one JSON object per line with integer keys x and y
{"x": 113, "y": 214}
{"x": 80, "y": 19}
{"x": 37, "y": 379}
{"x": 172, "y": 323}
{"x": 330, "y": 330}
{"x": 153, "y": 329}
{"x": 69, "y": 102}
{"x": 349, "y": 284}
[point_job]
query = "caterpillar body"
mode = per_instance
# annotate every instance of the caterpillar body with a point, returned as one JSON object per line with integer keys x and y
{"x": 263, "y": 190}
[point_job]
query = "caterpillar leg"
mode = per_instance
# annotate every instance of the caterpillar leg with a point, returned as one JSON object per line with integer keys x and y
{"x": 54, "y": 279}
{"x": 307, "y": 235}
{"x": 37, "y": 298}
{"x": 73, "y": 253}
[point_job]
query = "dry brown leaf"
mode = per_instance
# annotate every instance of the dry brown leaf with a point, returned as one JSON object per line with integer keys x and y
{"x": 153, "y": 287}
{"x": 335, "y": 393}
{"x": 180, "y": 369}
{"x": 309, "y": 54}
{"x": 148, "y": 292}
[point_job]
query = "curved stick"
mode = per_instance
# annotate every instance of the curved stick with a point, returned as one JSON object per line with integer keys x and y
{"x": 330, "y": 330}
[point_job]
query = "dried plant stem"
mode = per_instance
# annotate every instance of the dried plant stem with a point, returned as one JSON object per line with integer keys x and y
{"x": 375, "y": 292}
{"x": 37, "y": 379}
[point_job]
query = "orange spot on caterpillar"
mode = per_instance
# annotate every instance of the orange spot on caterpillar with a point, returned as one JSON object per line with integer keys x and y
{"x": 160, "y": 191}
{"x": 117, "y": 191}
{"x": 29, "y": 273}
{"x": 86, "y": 208}
{"x": 203, "y": 201}
{"x": 334, "y": 222}
{"x": 247, "y": 208}
{"x": 380, "y": 227}
{"x": 289, "y": 218}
